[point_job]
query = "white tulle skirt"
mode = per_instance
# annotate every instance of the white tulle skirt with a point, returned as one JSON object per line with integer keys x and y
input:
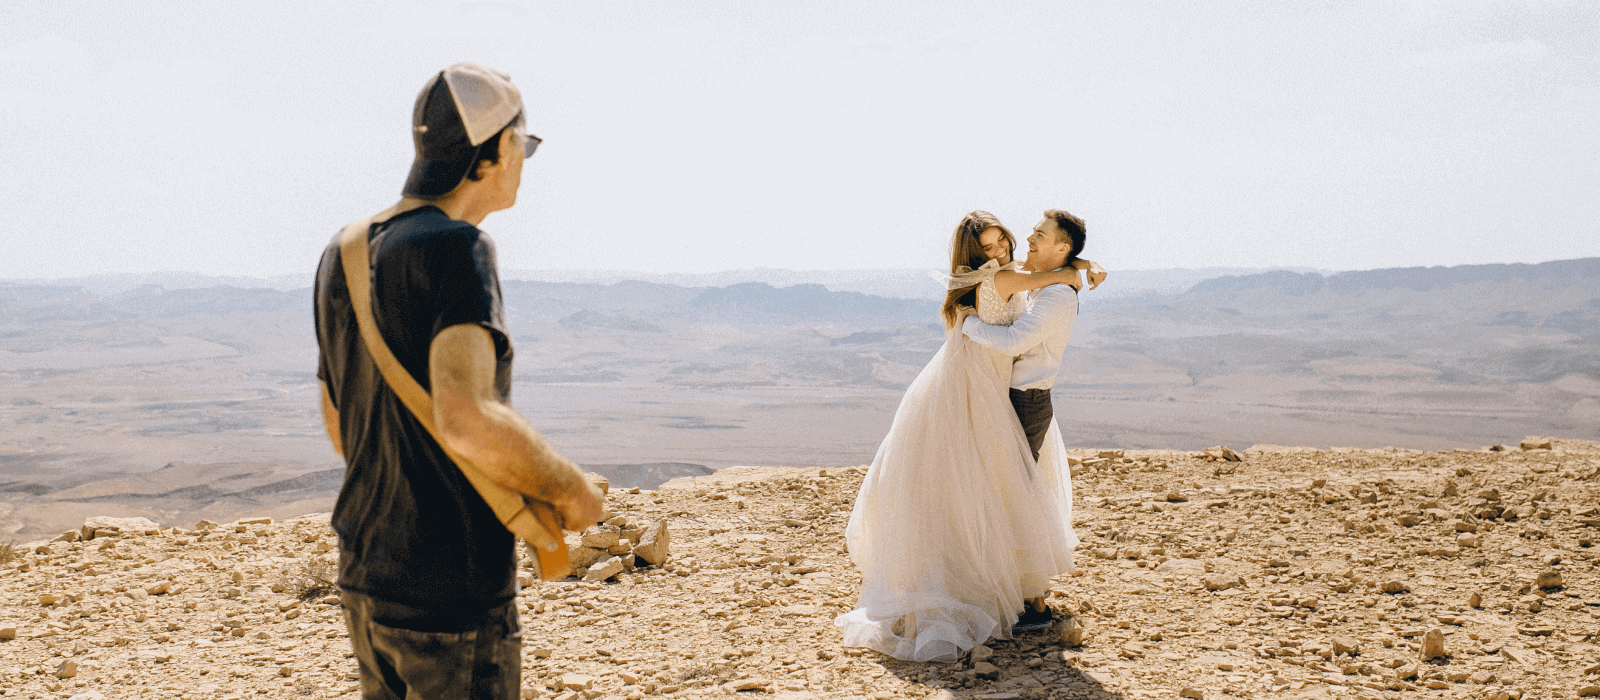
{"x": 955, "y": 524}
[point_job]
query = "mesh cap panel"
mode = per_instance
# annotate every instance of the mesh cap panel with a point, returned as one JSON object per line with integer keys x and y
{"x": 485, "y": 99}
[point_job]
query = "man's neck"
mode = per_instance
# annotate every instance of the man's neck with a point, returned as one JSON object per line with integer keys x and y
{"x": 470, "y": 203}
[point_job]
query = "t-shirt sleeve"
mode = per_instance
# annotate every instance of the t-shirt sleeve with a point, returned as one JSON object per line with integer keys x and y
{"x": 319, "y": 295}
{"x": 322, "y": 374}
{"x": 468, "y": 286}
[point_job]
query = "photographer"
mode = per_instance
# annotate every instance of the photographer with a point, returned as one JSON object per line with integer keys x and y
{"x": 427, "y": 569}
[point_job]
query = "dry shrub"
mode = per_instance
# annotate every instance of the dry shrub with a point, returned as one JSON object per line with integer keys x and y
{"x": 703, "y": 671}
{"x": 314, "y": 578}
{"x": 9, "y": 551}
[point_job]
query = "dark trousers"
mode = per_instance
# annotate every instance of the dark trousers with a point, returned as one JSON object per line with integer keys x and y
{"x": 1034, "y": 410}
{"x": 409, "y": 653}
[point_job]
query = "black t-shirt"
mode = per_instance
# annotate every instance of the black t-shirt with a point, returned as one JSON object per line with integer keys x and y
{"x": 412, "y": 529}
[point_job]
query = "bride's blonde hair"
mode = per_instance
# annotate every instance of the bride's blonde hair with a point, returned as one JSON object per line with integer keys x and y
{"x": 966, "y": 251}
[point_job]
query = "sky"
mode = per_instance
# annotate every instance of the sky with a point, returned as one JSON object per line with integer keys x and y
{"x": 236, "y": 138}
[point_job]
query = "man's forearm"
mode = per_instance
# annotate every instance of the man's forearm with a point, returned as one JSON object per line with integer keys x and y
{"x": 1052, "y": 310}
{"x": 472, "y": 421}
{"x": 508, "y": 451}
{"x": 1005, "y": 340}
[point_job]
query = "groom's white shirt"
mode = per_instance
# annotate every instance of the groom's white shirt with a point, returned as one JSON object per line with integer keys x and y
{"x": 1038, "y": 337}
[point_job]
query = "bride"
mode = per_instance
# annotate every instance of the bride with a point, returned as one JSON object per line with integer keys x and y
{"x": 956, "y": 523}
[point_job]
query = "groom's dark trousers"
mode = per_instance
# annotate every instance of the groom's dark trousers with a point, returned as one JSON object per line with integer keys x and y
{"x": 1034, "y": 410}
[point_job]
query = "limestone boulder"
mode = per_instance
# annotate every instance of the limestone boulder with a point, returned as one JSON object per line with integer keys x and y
{"x": 601, "y": 538}
{"x": 105, "y": 525}
{"x": 1536, "y": 442}
{"x": 1222, "y": 582}
{"x": 582, "y": 557}
{"x": 1182, "y": 567}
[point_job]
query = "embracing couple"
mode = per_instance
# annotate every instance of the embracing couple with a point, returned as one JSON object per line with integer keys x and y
{"x": 966, "y": 512}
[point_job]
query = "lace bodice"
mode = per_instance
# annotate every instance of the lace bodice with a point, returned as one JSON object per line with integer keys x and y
{"x": 991, "y": 308}
{"x": 996, "y": 311}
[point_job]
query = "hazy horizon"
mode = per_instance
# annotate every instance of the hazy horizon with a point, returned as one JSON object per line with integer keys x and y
{"x": 901, "y": 282}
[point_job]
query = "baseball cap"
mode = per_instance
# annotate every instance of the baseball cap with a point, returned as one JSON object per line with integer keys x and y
{"x": 457, "y": 110}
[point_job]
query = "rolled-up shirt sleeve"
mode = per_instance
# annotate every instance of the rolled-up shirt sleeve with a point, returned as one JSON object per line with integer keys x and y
{"x": 1055, "y": 307}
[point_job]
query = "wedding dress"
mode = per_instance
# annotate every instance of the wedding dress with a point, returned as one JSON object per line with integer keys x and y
{"x": 955, "y": 523}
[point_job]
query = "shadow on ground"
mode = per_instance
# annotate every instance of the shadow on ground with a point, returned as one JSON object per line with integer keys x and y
{"x": 1030, "y": 667}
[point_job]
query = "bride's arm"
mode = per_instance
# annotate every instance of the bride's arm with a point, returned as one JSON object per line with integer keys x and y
{"x": 1008, "y": 282}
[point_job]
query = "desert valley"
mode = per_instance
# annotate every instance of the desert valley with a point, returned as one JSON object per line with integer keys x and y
{"x": 164, "y": 488}
{"x": 122, "y": 397}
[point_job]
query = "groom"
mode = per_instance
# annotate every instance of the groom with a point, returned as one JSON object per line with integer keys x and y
{"x": 1037, "y": 340}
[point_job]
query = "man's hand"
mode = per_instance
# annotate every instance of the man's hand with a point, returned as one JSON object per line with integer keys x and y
{"x": 585, "y": 508}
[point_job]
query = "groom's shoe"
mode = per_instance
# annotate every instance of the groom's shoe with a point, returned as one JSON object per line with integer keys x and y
{"x": 1033, "y": 620}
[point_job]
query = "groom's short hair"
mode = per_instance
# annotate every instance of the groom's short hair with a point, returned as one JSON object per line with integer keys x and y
{"x": 1072, "y": 227}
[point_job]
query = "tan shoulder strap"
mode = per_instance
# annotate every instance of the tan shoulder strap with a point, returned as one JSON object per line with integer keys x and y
{"x": 529, "y": 519}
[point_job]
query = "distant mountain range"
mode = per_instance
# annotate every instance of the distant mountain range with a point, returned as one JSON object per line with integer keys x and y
{"x": 741, "y": 296}
{"x": 102, "y": 380}
{"x": 1420, "y": 279}
{"x": 894, "y": 283}
{"x": 115, "y": 284}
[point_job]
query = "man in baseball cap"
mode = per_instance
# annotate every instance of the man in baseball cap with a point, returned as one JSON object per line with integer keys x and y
{"x": 460, "y": 109}
{"x": 427, "y": 570}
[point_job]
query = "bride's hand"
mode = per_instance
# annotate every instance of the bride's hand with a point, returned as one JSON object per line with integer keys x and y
{"x": 1097, "y": 274}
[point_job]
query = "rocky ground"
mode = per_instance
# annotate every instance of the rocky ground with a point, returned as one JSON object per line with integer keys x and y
{"x": 1294, "y": 573}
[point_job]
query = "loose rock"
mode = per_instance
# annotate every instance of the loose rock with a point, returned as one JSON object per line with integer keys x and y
{"x": 981, "y": 653}
{"x": 604, "y": 570}
{"x": 1433, "y": 644}
{"x": 653, "y": 547}
{"x": 1071, "y": 632}
{"x": 1346, "y": 645}
{"x": 575, "y": 681}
